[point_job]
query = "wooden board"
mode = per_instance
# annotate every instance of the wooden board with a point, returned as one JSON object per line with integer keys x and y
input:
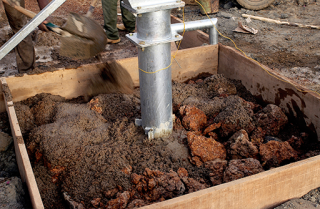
{"x": 22, "y": 157}
{"x": 71, "y": 83}
{"x": 263, "y": 190}
{"x": 304, "y": 106}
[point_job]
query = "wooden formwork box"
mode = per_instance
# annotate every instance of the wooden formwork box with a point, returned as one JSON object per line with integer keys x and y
{"x": 263, "y": 190}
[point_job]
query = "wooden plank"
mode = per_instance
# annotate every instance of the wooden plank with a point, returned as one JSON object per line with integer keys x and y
{"x": 191, "y": 38}
{"x": 22, "y": 157}
{"x": 304, "y": 106}
{"x": 71, "y": 83}
{"x": 264, "y": 190}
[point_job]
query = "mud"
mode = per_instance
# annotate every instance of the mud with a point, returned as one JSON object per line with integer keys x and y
{"x": 90, "y": 150}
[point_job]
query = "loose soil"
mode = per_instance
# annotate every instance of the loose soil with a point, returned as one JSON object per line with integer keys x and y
{"x": 89, "y": 150}
{"x": 52, "y": 124}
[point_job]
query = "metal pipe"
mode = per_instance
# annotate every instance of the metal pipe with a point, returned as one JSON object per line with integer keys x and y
{"x": 155, "y": 87}
{"x": 199, "y": 25}
{"x": 29, "y": 27}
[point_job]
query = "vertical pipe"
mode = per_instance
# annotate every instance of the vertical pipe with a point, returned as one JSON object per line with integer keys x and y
{"x": 155, "y": 87}
{"x": 213, "y": 36}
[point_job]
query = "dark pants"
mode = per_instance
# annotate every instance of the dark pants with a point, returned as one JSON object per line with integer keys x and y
{"x": 109, "y": 8}
{"x": 24, "y": 50}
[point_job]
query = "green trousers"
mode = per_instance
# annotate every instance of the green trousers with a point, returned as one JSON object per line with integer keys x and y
{"x": 109, "y": 8}
{"x": 24, "y": 50}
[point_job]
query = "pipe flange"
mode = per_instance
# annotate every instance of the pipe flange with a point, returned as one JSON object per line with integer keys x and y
{"x": 146, "y": 43}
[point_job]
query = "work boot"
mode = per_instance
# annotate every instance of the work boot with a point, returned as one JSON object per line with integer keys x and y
{"x": 110, "y": 41}
{"x": 122, "y": 27}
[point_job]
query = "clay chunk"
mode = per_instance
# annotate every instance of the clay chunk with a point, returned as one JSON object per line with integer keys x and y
{"x": 204, "y": 149}
{"x": 241, "y": 168}
{"x": 274, "y": 153}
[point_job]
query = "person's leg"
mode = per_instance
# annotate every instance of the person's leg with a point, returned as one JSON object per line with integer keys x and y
{"x": 109, "y": 9}
{"x": 128, "y": 19}
{"x": 24, "y": 50}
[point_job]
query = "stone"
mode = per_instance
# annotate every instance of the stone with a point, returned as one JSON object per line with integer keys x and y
{"x": 217, "y": 168}
{"x": 11, "y": 193}
{"x": 284, "y": 16}
{"x": 257, "y": 136}
{"x": 120, "y": 202}
{"x": 204, "y": 149}
{"x": 193, "y": 185}
{"x": 211, "y": 128}
{"x": 225, "y": 15}
{"x": 234, "y": 117}
{"x": 274, "y": 153}
{"x": 240, "y": 146}
{"x": 240, "y": 168}
{"x": 193, "y": 119}
{"x": 271, "y": 119}
{"x": 137, "y": 203}
{"x": 153, "y": 185}
{"x": 5, "y": 141}
{"x": 295, "y": 142}
{"x": 210, "y": 107}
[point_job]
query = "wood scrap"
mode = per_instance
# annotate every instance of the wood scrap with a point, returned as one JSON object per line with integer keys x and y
{"x": 245, "y": 29}
{"x": 281, "y": 22}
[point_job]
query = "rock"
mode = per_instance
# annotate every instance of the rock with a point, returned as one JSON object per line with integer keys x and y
{"x": 241, "y": 168}
{"x": 11, "y": 193}
{"x": 111, "y": 193}
{"x": 177, "y": 125}
{"x": 5, "y": 141}
{"x": 284, "y": 16}
{"x": 240, "y": 146}
{"x": 257, "y": 136}
{"x": 271, "y": 119}
{"x": 218, "y": 85}
{"x": 211, "y": 128}
{"x": 225, "y": 15}
{"x": 274, "y": 153}
{"x": 210, "y": 107}
{"x": 120, "y": 202}
{"x": 193, "y": 118}
{"x": 193, "y": 185}
{"x": 154, "y": 185}
{"x": 204, "y": 149}
{"x": 137, "y": 203}
{"x": 182, "y": 173}
{"x": 295, "y": 142}
{"x": 234, "y": 117}
{"x": 96, "y": 202}
{"x": 217, "y": 168}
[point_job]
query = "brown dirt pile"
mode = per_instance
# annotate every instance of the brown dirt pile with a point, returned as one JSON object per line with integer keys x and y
{"x": 91, "y": 154}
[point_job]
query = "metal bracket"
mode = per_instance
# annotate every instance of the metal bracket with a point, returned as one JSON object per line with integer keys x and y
{"x": 145, "y": 43}
{"x": 150, "y": 6}
{"x": 29, "y": 27}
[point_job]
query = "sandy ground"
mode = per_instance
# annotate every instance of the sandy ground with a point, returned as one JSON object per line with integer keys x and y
{"x": 292, "y": 51}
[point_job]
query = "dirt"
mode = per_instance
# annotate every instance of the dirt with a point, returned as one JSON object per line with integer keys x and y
{"x": 292, "y": 51}
{"x": 89, "y": 149}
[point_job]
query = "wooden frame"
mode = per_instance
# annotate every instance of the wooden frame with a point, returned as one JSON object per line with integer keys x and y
{"x": 263, "y": 190}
